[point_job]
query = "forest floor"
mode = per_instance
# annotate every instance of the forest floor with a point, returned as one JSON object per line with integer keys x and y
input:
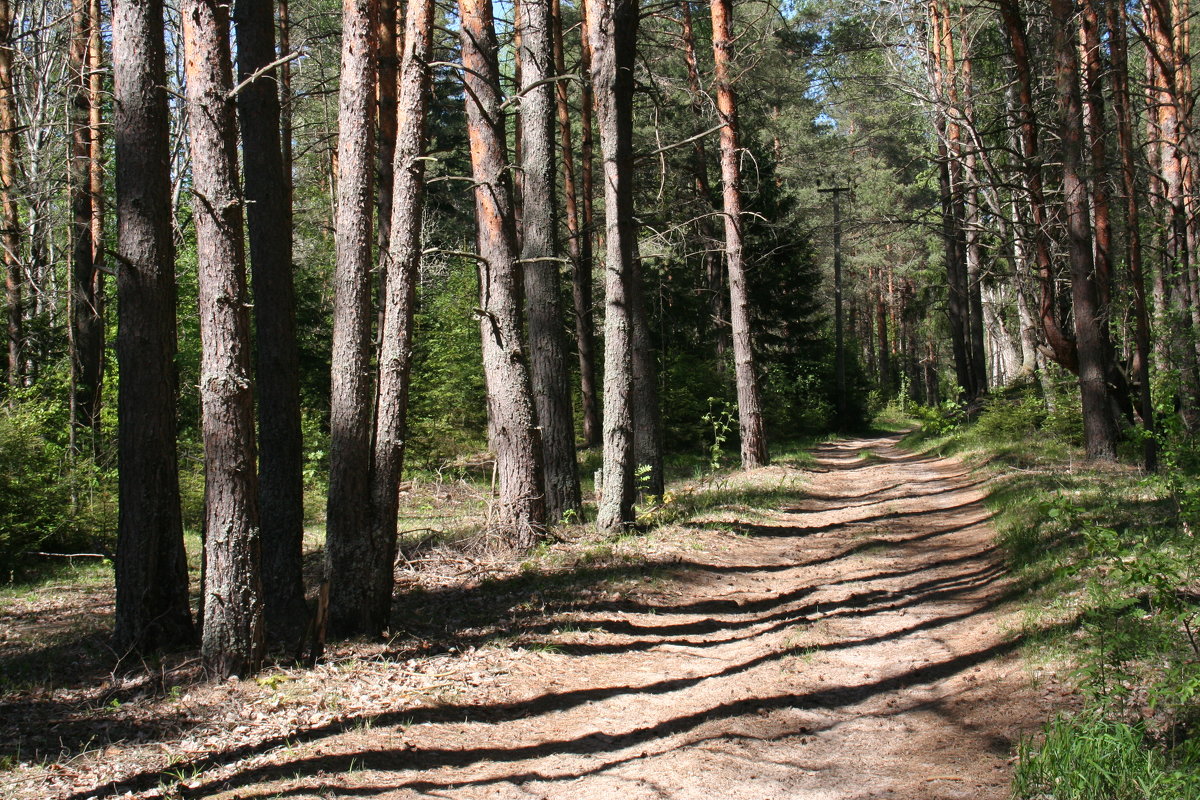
{"x": 839, "y": 627}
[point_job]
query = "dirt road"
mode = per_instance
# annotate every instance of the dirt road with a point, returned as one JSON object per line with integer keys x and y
{"x": 848, "y": 645}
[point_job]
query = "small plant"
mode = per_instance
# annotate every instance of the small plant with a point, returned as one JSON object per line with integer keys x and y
{"x": 720, "y": 420}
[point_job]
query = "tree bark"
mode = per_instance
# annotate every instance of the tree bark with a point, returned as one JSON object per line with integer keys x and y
{"x": 579, "y": 241}
{"x": 233, "y": 625}
{"x": 348, "y": 549}
{"x": 540, "y": 261}
{"x": 269, "y": 222}
{"x": 1100, "y": 434}
{"x": 612, "y": 31}
{"x": 750, "y": 414}
{"x": 520, "y": 508}
{"x": 151, "y": 565}
{"x": 403, "y": 261}
{"x": 647, "y": 416}
{"x": 10, "y": 222}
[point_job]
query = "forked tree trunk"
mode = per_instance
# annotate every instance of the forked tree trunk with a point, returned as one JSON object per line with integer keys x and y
{"x": 750, "y": 413}
{"x": 519, "y": 512}
{"x": 232, "y": 642}
{"x": 349, "y": 550}
{"x": 10, "y": 235}
{"x": 579, "y": 244}
{"x": 1100, "y": 434}
{"x": 612, "y": 31}
{"x": 540, "y": 256}
{"x": 403, "y": 261}
{"x": 87, "y": 288}
{"x": 277, "y": 378}
{"x": 151, "y": 565}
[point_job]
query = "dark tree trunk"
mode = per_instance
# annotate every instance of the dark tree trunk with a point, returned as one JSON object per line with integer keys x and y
{"x": 612, "y": 31}
{"x": 151, "y": 565}
{"x": 285, "y": 105}
{"x": 403, "y": 261}
{"x": 269, "y": 222}
{"x": 647, "y": 416}
{"x": 540, "y": 256}
{"x": 233, "y": 623}
{"x": 1100, "y": 434}
{"x": 1123, "y": 110}
{"x": 972, "y": 234}
{"x": 10, "y": 222}
{"x": 87, "y": 286}
{"x": 520, "y": 509}
{"x": 349, "y": 551}
{"x": 750, "y": 414}
{"x": 580, "y": 244}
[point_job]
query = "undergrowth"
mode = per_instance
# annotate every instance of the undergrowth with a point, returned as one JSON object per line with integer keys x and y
{"x": 1110, "y": 573}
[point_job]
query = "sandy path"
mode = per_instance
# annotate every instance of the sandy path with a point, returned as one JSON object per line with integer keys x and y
{"x": 847, "y": 647}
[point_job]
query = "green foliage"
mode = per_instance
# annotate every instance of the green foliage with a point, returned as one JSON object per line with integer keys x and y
{"x": 721, "y": 420}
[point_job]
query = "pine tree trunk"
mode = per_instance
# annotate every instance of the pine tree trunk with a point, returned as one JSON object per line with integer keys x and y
{"x": 612, "y": 31}
{"x": 972, "y": 224}
{"x": 390, "y": 44}
{"x": 1100, "y": 433}
{"x": 520, "y": 508}
{"x": 580, "y": 242}
{"x": 349, "y": 549}
{"x": 750, "y": 414}
{"x": 10, "y": 222}
{"x": 87, "y": 294}
{"x": 285, "y": 105}
{"x": 647, "y": 416}
{"x": 403, "y": 261}
{"x": 277, "y": 378}
{"x": 540, "y": 262}
{"x": 151, "y": 565}
{"x": 232, "y": 641}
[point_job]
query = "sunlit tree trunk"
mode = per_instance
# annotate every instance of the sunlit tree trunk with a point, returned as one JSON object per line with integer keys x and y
{"x": 612, "y": 31}
{"x": 540, "y": 262}
{"x": 232, "y": 641}
{"x": 750, "y": 414}
{"x": 151, "y": 565}
{"x": 10, "y": 235}
{"x": 277, "y": 377}
{"x": 519, "y": 512}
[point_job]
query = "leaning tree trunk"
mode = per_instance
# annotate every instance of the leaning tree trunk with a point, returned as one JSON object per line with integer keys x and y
{"x": 540, "y": 256}
{"x": 403, "y": 261}
{"x": 750, "y": 414}
{"x": 232, "y": 641}
{"x": 579, "y": 240}
{"x": 151, "y": 565}
{"x": 269, "y": 220}
{"x": 349, "y": 552}
{"x": 520, "y": 508}
{"x": 10, "y": 222}
{"x": 1100, "y": 434}
{"x": 87, "y": 286}
{"x": 612, "y": 31}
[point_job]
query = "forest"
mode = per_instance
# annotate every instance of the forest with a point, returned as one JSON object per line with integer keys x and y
{"x": 382, "y": 348}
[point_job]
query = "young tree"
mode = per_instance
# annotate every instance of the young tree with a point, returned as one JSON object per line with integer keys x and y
{"x": 520, "y": 510}
{"x": 151, "y": 565}
{"x": 612, "y": 31}
{"x": 9, "y": 219}
{"x": 540, "y": 257}
{"x": 750, "y": 417}
{"x": 232, "y": 641}
{"x": 269, "y": 222}
{"x": 349, "y": 551}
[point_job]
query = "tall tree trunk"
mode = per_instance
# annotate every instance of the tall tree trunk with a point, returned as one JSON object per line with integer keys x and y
{"x": 580, "y": 242}
{"x": 1123, "y": 110}
{"x": 520, "y": 509}
{"x": 588, "y": 223}
{"x": 87, "y": 292}
{"x": 151, "y": 565}
{"x": 10, "y": 222}
{"x": 349, "y": 551}
{"x": 612, "y": 31}
{"x": 972, "y": 223}
{"x": 403, "y": 261}
{"x": 750, "y": 414}
{"x": 285, "y": 105}
{"x": 233, "y": 623}
{"x": 1100, "y": 434}
{"x": 647, "y": 416}
{"x": 269, "y": 223}
{"x": 714, "y": 273}
{"x": 390, "y": 44}
{"x": 540, "y": 256}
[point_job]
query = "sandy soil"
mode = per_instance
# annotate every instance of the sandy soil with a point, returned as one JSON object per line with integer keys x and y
{"x": 851, "y": 644}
